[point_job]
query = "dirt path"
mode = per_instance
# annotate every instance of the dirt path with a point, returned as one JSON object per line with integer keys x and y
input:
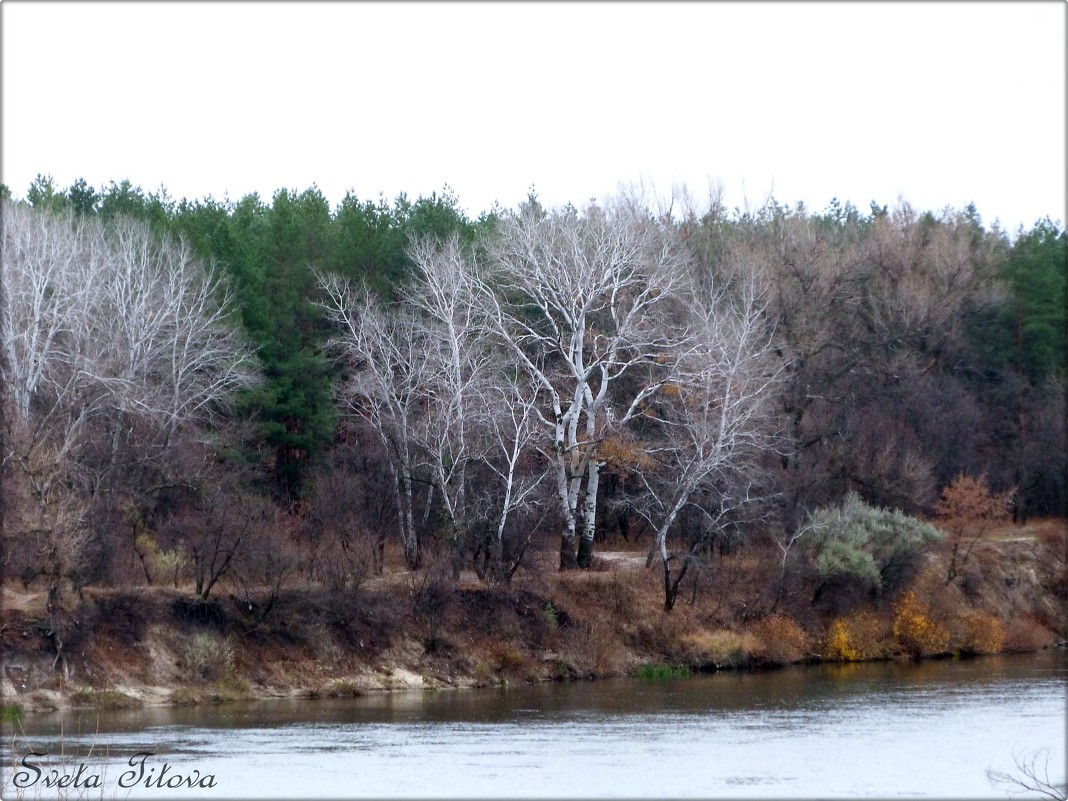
{"x": 622, "y": 560}
{"x": 29, "y": 602}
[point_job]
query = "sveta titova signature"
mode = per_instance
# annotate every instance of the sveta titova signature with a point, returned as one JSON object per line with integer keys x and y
{"x": 35, "y": 772}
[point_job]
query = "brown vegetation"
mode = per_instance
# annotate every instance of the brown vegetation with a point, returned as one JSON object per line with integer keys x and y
{"x": 423, "y": 629}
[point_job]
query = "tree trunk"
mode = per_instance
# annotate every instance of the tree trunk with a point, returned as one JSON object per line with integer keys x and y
{"x": 671, "y": 588}
{"x": 408, "y": 533}
{"x": 568, "y": 550}
{"x": 411, "y": 554}
{"x": 499, "y": 571}
{"x": 669, "y": 596}
{"x": 584, "y": 557}
{"x": 569, "y": 534}
{"x": 589, "y": 516}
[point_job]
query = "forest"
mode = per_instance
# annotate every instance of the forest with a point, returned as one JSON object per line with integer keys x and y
{"x": 263, "y": 394}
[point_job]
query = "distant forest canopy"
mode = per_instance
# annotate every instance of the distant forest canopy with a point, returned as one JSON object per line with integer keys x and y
{"x": 895, "y": 350}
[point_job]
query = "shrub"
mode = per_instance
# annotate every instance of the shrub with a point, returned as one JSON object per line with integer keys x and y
{"x": 915, "y": 630}
{"x": 967, "y": 509}
{"x": 861, "y": 635}
{"x": 485, "y": 674}
{"x": 597, "y": 649}
{"x": 167, "y": 565}
{"x": 343, "y": 688}
{"x": 1024, "y": 635}
{"x": 876, "y": 547}
{"x": 981, "y": 633}
{"x": 781, "y": 639}
{"x": 231, "y": 688}
{"x": 207, "y": 656}
{"x": 184, "y": 696}
{"x": 507, "y": 656}
{"x": 552, "y": 616}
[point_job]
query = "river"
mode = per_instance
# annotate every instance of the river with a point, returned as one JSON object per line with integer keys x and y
{"x": 891, "y": 729}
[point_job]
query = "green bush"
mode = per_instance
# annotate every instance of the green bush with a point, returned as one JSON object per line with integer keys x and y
{"x": 876, "y": 547}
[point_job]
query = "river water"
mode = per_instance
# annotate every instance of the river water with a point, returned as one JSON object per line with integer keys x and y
{"x": 882, "y": 730}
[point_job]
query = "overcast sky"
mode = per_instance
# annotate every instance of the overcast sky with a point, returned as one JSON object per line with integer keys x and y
{"x": 940, "y": 104}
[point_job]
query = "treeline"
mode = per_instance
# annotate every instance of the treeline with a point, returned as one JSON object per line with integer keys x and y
{"x": 247, "y": 391}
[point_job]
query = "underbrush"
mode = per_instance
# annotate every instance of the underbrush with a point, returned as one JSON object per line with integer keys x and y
{"x": 663, "y": 672}
{"x": 730, "y": 613}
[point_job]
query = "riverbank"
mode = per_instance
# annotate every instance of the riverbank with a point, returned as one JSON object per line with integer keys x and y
{"x": 405, "y": 630}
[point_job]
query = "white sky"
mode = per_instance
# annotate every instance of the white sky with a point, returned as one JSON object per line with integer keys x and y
{"x": 938, "y": 103}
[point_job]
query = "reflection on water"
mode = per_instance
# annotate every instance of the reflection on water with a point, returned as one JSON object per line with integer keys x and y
{"x": 928, "y": 729}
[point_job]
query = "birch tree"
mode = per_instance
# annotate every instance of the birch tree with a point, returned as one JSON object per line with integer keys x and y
{"x": 427, "y": 380}
{"x": 580, "y": 301}
{"x": 713, "y": 422}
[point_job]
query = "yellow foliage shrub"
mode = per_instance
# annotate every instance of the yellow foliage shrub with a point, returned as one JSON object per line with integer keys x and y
{"x": 860, "y": 635}
{"x": 915, "y": 630}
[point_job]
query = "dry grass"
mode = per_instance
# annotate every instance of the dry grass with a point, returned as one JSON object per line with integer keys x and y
{"x": 509, "y": 657}
{"x": 103, "y": 699}
{"x": 207, "y": 656}
{"x": 722, "y": 648}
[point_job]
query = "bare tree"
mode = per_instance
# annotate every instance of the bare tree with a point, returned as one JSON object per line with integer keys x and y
{"x": 386, "y": 386}
{"x": 460, "y": 368}
{"x": 512, "y": 422}
{"x": 103, "y": 325}
{"x": 712, "y": 420}
{"x": 811, "y": 273}
{"x": 580, "y": 300}
{"x": 113, "y": 317}
{"x": 428, "y": 380}
{"x": 214, "y": 530}
{"x": 158, "y": 329}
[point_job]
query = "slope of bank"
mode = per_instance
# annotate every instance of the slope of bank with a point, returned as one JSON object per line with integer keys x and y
{"x": 153, "y": 645}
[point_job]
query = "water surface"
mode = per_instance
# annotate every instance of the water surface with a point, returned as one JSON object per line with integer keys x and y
{"x": 878, "y": 730}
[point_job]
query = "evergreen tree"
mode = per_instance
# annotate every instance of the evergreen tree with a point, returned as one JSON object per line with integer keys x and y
{"x": 1035, "y": 272}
